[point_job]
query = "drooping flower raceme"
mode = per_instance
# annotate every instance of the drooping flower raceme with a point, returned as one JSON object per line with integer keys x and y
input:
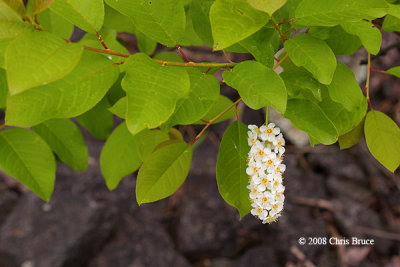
{"x": 265, "y": 169}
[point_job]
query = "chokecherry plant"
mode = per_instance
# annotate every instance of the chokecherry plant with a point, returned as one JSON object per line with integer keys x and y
{"x": 46, "y": 79}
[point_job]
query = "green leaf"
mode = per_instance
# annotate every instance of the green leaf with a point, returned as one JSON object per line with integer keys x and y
{"x": 168, "y": 56}
{"x": 116, "y": 92}
{"x": 233, "y": 21}
{"x": 87, "y": 15}
{"x": 7, "y": 14}
{"x": 309, "y": 117}
{"x": 338, "y": 40}
{"x": 152, "y": 90}
{"x": 49, "y": 59}
{"x": 119, "y": 108}
{"x": 314, "y": 55}
{"x": 200, "y": 11}
{"x": 231, "y": 168}
{"x": 394, "y": 9}
{"x": 149, "y": 141}
{"x": 98, "y": 121}
{"x": 117, "y": 21}
{"x": 75, "y": 94}
{"x": 299, "y": 81}
{"x": 3, "y": 88}
{"x": 25, "y": 156}
{"x": 392, "y": 21}
{"x": 334, "y": 12}
{"x": 263, "y": 45}
{"x": 163, "y": 173}
{"x": 267, "y": 6}
{"x": 344, "y": 88}
{"x": 12, "y": 29}
{"x": 391, "y": 24}
{"x": 56, "y": 24}
{"x": 190, "y": 38}
{"x": 161, "y": 20}
{"x": 258, "y": 85}
{"x": 175, "y": 134}
{"x": 119, "y": 156}
{"x": 204, "y": 93}
{"x": 394, "y": 71}
{"x": 369, "y": 35}
{"x": 222, "y": 104}
{"x": 343, "y": 119}
{"x": 383, "y": 139}
{"x": 66, "y": 140}
{"x": 353, "y": 137}
{"x": 41, "y": 5}
{"x": 145, "y": 44}
{"x": 17, "y": 6}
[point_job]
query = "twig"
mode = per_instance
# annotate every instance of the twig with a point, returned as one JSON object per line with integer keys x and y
{"x": 378, "y": 233}
{"x": 300, "y": 256}
{"x": 314, "y": 202}
{"x": 367, "y": 82}
{"x": 226, "y": 56}
{"x": 214, "y": 119}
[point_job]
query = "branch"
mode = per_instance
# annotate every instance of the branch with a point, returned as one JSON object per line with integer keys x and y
{"x": 214, "y": 119}
{"x": 368, "y": 78}
{"x": 166, "y": 63}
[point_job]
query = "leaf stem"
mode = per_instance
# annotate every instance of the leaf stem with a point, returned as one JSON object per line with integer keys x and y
{"x": 367, "y": 82}
{"x": 283, "y": 37}
{"x": 379, "y": 71}
{"x": 182, "y": 53}
{"x": 286, "y": 21}
{"x": 101, "y": 41}
{"x": 214, "y": 119}
{"x": 280, "y": 61}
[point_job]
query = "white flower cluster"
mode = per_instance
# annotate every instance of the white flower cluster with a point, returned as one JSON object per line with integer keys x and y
{"x": 265, "y": 169}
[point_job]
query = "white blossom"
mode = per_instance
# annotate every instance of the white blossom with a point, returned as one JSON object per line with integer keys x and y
{"x": 265, "y": 169}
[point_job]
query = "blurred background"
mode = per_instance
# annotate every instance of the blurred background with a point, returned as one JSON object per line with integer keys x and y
{"x": 329, "y": 194}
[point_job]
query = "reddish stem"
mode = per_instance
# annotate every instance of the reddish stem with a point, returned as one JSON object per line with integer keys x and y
{"x": 291, "y": 28}
{"x": 369, "y": 103}
{"x": 207, "y": 71}
{"x": 379, "y": 71}
{"x": 194, "y": 140}
{"x": 365, "y": 88}
{"x": 101, "y": 41}
{"x": 182, "y": 53}
{"x": 286, "y": 21}
{"x": 204, "y": 121}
